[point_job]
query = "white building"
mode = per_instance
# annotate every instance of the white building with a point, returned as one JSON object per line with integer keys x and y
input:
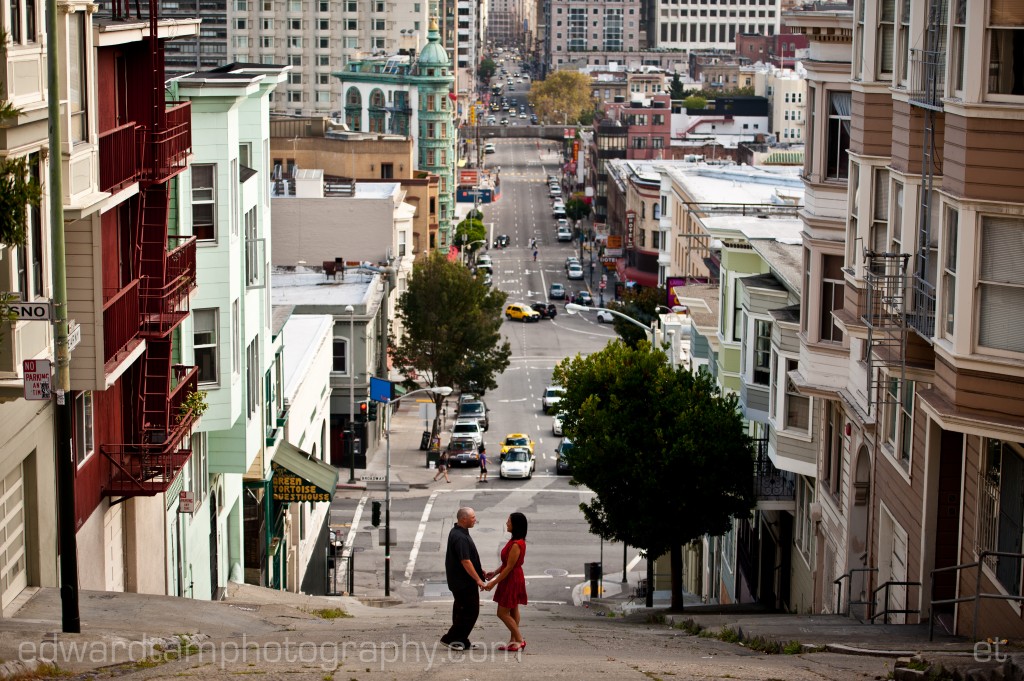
{"x": 699, "y": 25}
{"x": 786, "y": 90}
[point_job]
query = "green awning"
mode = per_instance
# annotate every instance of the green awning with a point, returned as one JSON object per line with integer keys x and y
{"x": 297, "y": 477}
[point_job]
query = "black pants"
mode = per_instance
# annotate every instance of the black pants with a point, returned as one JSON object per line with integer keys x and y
{"x": 465, "y": 611}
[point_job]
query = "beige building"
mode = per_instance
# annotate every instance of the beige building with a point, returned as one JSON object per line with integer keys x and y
{"x": 786, "y": 91}
{"x": 365, "y": 157}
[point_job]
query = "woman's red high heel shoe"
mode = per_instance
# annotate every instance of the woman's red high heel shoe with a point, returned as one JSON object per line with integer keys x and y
{"x": 512, "y": 647}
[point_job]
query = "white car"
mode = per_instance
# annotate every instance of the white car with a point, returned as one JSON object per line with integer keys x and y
{"x": 484, "y": 259}
{"x": 605, "y": 317}
{"x": 564, "y": 234}
{"x": 470, "y": 429}
{"x": 574, "y": 271}
{"x": 552, "y": 395}
{"x": 517, "y": 463}
{"x": 489, "y": 148}
{"x": 556, "y": 425}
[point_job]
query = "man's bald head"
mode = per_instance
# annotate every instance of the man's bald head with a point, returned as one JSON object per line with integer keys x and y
{"x": 466, "y": 517}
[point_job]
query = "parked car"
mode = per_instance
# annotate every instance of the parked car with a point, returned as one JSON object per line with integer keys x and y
{"x": 584, "y": 298}
{"x": 516, "y": 440}
{"x": 561, "y": 222}
{"x": 522, "y": 312}
{"x": 483, "y": 259}
{"x": 546, "y": 310}
{"x": 559, "y": 212}
{"x": 575, "y": 270}
{"x": 463, "y": 451}
{"x": 605, "y": 317}
{"x": 474, "y": 410}
{"x": 554, "y": 191}
{"x": 557, "y": 291}
{"x": 470, "y": 429}
{"x": 552, "y": 395}
{"x": 570, "y": 260}
{"x": 518, "y": 463}
{"x": 562, "y": 466}
{"x": 565, "y": 234}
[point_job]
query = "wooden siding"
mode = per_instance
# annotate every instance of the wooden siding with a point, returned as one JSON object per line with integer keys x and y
{"x": 982, "y": 158}
{"x": 992, "y": 392}
{"x": 871, "y": 129}
{"x": 107, "y": 409}
{"x": 754, "y": 399}
{"x": 908, "y": 138}
{"x": 85, "y": 305}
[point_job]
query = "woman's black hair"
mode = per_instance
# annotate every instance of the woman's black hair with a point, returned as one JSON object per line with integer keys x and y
{"x": 518, "y": 525}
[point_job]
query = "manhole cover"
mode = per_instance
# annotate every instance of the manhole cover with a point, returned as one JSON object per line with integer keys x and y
{"x": 555, "y": 572}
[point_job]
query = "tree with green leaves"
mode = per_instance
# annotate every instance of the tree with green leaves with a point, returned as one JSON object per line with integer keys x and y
{"x": 577, "y": 208}
{"x": 471, "y": 231}
{"x": 676, "y": 89}
{"x": 451, "y": 323}
{"x": 695, "y": 103}
{"x": 642, "y": 305}
{"x": 487, "y": 69}
{"x": 562, "y": 97}
{"x": 666, "y": 454}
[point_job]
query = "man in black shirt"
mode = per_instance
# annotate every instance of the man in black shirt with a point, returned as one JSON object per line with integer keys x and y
{"x": 465, "y": 579}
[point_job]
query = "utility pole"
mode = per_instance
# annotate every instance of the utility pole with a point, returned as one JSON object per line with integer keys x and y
{"x": 68, "y": 541}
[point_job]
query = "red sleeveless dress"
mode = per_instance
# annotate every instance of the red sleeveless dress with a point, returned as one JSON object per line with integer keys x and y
{"x": 511, "y": 591}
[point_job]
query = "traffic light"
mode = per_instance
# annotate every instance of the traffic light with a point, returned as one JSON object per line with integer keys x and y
{"x": 371, "y": 415}
{"x": 361, "y": 413}
{"x": 375, "y": 514}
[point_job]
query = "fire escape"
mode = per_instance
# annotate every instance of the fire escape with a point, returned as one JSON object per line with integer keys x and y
{"x": 889, "y": 285}
{"x": 160, "y": 416}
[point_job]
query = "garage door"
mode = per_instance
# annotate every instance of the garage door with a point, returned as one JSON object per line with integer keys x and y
{"x": 13, "y": 573}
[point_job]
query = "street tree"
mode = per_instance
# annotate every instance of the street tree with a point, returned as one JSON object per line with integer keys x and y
{"x": 640, "y": 303}
{"x": 666, "y": 454}
{"x": 487, "y": 69}
{"x": 471, "y": 230}
{"x": 577, "y": 207}
{"x": 695, "y": 103}
{"x": 451, "y": 329}
{"x": 562, "y": 97}
{"x": 676, "y": 89}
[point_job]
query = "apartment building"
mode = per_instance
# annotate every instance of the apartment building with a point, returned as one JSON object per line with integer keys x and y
{"x": 786, "y": 92}
{"x": 699, "y": 25}
{"x": 574, "y": 29}
{"x": 913, "y": 325}
{"x": 314, "y": 38}
{"x": 511, "y": 23}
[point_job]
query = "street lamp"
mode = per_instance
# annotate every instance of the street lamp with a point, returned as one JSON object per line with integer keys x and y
{"x": 442, "y": 390}
{"x": 573, "y": 308}
{"x": 350, "y": 356}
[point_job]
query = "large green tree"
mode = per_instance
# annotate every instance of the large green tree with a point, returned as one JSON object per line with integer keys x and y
{"x": 562, "y": 97}
{"x": 487, "y": 69}
{"x": 451, "y": 324}
{"x": 577, "y": 208}
{"x": 676, "y": 89}
{"x": 471, "y": 231}
{"x": 666, "y": 454}
{"x": 642, "y": 305}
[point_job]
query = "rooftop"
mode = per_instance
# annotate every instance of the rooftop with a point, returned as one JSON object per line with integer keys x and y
{"x": 303, "y": 333}
{"x": 310, "y": 290}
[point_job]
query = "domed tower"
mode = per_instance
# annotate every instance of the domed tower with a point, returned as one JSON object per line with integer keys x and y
{"x": 436, "y": 129}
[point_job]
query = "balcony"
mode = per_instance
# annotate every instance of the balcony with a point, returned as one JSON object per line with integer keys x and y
{"x": 165, "y": 303}
{"x": 121, "y": 324}
{"x": 148, "y": 467}
{"x": 773, "y": 489}
{"x": 166, "y": 150}
{"x": 927, "y": 78}
{"x": 120, "y": 163}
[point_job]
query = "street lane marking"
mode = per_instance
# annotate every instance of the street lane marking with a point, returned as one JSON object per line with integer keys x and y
{"x": 350, "y": 540}
{"x": 419, "y": 538}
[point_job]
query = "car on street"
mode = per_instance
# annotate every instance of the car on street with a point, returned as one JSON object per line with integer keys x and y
{"x": 556, "y": 425}
{"x": 523, "y": 116}
{"x": 554, "y": 191}
{"x": 502, "y": 241}
{"x": 571, "y": 260}
{"x": 546, "y": 310}
{"x": 561, "y": 222}
{"x": 470, "y": 429}
{"x": 489, "y": 147}
{"x": 557, "y": 291}
{"x": 584, "y": 298}
{"x": 462, "y": 450}
{"x": 516, "y": 440}
{"x": 565, "y": 234}
{"x": 518, "y": 463}
{"x": 522, "y": 312}
{"x": 533, "y": 119}
{"x": 504, "y": 121}
{"x": 574, "y": 270}
{"x": 484, "y": 259}
{"x": 605, "y": 317}
{"x": 476, "y": 409}
{"x": 561, "y": 463}
{"x": 552, "y": 395}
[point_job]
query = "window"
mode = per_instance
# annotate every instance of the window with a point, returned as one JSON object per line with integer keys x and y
{"x": 37, "y": 244}
{"x": 1006, "y": 47}
{"x": 204, "y": 202}
{"x": 204, "y": 339}
{"x": 1001, "y": 284}
{"x": 236, "y": 337}
{"x": 949, "y": 266}
{"x": 294, "y": 5}
{"x": 241, "y": 25}
{"x": 294, "y": 42}
{"x": 294, "y": 78}
{"x": 324, "y": 60}
{"x": 886, "y": 38}
{"x": 199, "y": 471}
{"x": 899, "y": 419}
{"x": 838, "y": 136}
{"x": 340, "y": 355}
{"x": 84, "y": 444}
{"x": 295, "y": 59}
{"x": 831, "y": 297}
{"x": 903, "y": 44}
{"x": 798, "y": 407}
{"x": 1000, "y": 511}
{"x": 804, "y": 529}
{"x": 379, "y": 25}
{"x": 323, "y": 43}
{"x": 896, "y": 245}
{"x": 832, "y": 468}
{"x": 252, "y": 377}
{"x": 956, "y": 66}
{"x": 253, "y": 264}
{"x": 77, "y": 78}
{"x": 266, "y": 41}
{"x": 761, "y": 366}
{"x": 323, "y": 24}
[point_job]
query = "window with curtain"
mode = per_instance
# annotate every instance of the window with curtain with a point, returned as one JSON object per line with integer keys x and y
{"x": 205, "y": 344}
{"x": 886, "y": 38}
{"x": 838, "y": 136}
{"x": 896, "y": 245}
{"x": 949, "y": 265}
{"x": 956, "y": 62}
{"x": 1006, "y": 47}
{"x": 204, "y": 201}
{"x": 762, "y": 349}
{"x": 903, "y": 40}
{"x": 880, "y": 210}
{"x": 1001, "y": 284}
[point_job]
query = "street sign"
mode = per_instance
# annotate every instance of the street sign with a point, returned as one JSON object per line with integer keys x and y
{"x": 37, "y": 378}
{"x": 372, "y": 478}
{"x": 601, "y": 285}
{"x": 186, "y": 502}
{"x": 31, "y": 312}
{"x": 74, "y": 335}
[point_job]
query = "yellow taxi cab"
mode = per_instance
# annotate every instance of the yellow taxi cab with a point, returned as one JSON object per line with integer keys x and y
{"x": 522, "y": 312}
{"x": 516, "y": 440}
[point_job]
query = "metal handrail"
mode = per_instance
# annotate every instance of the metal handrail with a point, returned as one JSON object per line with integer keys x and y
{"x": 976, "y": 598}
{"x": 838, "y": 581}
{"x": 887, "y": 611}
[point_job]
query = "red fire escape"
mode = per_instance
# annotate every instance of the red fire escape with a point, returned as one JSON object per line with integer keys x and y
{"x": 165, "y": 266}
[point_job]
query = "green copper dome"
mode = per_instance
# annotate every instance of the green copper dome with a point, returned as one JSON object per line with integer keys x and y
{"x": 433, "y": 54}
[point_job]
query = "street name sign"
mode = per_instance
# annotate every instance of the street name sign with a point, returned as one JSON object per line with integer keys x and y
{"x": 27, "y": 312}
{"x": 74, "y": 335}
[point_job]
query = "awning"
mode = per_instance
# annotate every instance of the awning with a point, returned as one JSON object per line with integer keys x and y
{"x": 297, "y": 477}
{"x": 646, "y": 279}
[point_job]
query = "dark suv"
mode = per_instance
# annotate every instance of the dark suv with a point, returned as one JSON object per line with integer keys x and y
{"x": 546, "y": 310}
{"x": 474, "y": 410}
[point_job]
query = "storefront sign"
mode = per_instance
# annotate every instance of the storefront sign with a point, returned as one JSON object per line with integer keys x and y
{"x": 630, "y": 228}
{"x": 290, "y": 487}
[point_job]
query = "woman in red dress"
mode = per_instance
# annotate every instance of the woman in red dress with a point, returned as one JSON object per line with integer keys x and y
{"x": 511, "y": 583}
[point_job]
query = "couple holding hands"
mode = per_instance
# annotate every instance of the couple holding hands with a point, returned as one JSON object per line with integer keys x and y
{"x": 466, "y": 578}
